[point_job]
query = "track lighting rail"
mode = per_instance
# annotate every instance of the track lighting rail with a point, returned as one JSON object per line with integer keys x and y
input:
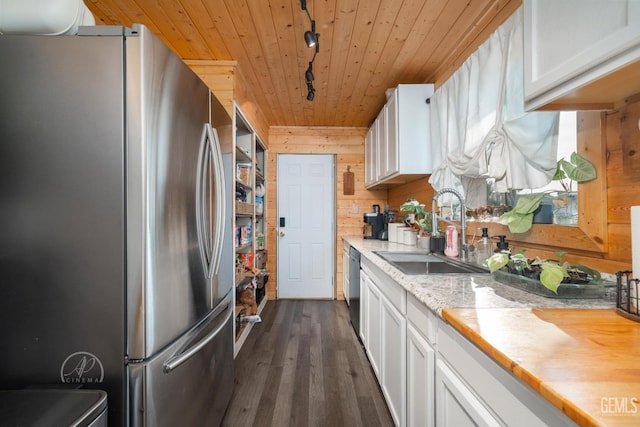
{"x": 312, "y": 39}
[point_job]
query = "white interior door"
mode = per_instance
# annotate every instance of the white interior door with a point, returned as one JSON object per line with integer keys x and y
{"x": 306, "y": 226}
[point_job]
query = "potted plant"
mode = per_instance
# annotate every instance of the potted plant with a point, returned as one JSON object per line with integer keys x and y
{"x": 565, "y": 204}
{"x": 418, "y": 219}
{"x": 565, "y": 208}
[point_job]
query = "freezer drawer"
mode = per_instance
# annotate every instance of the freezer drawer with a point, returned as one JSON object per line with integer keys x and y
{"x": 165, "y": 391}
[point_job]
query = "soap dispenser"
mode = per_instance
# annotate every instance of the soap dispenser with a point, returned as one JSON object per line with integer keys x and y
{"x": 502, "y": 244}
{"x": 483, "y": 248}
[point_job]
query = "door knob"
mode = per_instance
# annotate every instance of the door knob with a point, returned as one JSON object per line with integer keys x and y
{"x": 282, "y": 234}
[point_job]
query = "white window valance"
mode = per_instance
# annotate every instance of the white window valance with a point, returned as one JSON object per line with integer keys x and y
{"x": 479, "y": 128}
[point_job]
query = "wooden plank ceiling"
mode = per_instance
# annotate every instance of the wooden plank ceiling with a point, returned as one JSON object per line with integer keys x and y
{"x": 366, "y": 46}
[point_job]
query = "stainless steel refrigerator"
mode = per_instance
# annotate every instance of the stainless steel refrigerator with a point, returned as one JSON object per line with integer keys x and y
{"x": 116, "y": 258}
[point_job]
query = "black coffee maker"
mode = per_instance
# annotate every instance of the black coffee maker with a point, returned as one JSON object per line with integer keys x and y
{"x": 387, "y": 217}
{"x": 373, "y": 223}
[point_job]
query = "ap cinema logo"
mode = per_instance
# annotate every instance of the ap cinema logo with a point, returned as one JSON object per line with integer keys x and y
{"x": 81, "y": 368}
{"x": 619, "y": 405}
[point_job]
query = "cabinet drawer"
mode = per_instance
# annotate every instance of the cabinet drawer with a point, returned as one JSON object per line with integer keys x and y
{"x": 422, "y": 318}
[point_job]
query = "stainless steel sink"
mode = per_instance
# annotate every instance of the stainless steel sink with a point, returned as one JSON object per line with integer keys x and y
{"x": 414, "y": 263}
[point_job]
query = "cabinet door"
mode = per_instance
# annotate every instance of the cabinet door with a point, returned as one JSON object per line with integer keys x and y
{"x": 394, "y": 363}
{"x": 381, "y": 144}
{"x": 420, "y": 380}
{"x": 364, "y": 304}
{"x": 370, "y": 156}
{"x": 391, "y": 145}
{"x": 456, "y": 405}
{"x": 345, "y": 275}
{"x": 569, "y": 43}
{"x": 374, "y": 326}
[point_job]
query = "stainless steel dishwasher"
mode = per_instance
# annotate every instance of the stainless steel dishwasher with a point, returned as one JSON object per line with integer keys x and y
{"x": 354, "y": 289}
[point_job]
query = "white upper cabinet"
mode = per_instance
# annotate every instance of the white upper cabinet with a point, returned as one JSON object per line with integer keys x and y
{"x": 371, "y": 156}
{"x": 580, "y": 54}
{"x": 389, "y": 146}
{"x": 401, "y": 137}
{"x": 381, "y": 145}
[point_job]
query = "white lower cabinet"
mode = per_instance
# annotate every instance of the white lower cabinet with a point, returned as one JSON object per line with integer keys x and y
{"x": 393, "y": 370}
{"x": 472, "y": 389}
{"x": 364, "y": 327}
{"x": 385, "y": 337}
{"x": 374, "y": 325}
{"x": 430, "y": 374}
{"x": 456, "y": 405}
{"x": 421, "y": 358}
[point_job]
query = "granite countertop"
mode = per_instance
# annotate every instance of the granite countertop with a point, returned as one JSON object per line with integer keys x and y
{"x": 438, "y": 291}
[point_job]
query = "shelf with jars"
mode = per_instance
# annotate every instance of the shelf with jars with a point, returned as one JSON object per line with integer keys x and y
{"x": 251, "y": 276}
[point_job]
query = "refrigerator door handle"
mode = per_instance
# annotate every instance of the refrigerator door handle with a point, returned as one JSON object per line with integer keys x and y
{"x": 203, "y": 202}
{"x": 219, "y": 182}
{"x": 177, "y": 360}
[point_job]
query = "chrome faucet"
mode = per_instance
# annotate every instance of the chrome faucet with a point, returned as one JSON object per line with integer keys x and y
{"x": 463, "y": 220}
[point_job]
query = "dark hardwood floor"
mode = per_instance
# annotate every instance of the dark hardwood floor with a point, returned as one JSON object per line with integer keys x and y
{"x": 304, "y": 366}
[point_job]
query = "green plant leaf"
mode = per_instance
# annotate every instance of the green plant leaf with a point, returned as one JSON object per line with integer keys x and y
{"x": 552, "y": 275}
{"x": 520, "y": 218}
{"x": 517, "y": 222}
{"x": 579, "y": 169}
{"x": 497, "y": 261}
{"x": 528, "y": 203}
{"x": 410, "y": 205}
{"x": 521, "y": 259}
{"x": 559, "y": 174}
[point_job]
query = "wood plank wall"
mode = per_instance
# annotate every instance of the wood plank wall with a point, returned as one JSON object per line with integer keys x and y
{"x": 623, "y": 176}
{"x": 419, "y": 189}
{"x": 347, "y": 144}
{"x": 226, "y": 81}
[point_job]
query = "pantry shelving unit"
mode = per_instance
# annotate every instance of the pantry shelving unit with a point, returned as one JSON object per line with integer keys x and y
{"x": 251, "y": 276}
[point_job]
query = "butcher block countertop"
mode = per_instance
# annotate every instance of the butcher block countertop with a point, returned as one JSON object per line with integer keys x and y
{"x": 586, "y": 362}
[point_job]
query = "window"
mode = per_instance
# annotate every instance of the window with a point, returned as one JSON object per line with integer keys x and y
{"x": 567, "y": 143}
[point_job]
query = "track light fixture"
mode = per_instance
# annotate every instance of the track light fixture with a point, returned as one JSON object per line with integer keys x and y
{"x": 312, "y": 39}
{"x": 309, "y": 73}
{"x": 311, "y": 92}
